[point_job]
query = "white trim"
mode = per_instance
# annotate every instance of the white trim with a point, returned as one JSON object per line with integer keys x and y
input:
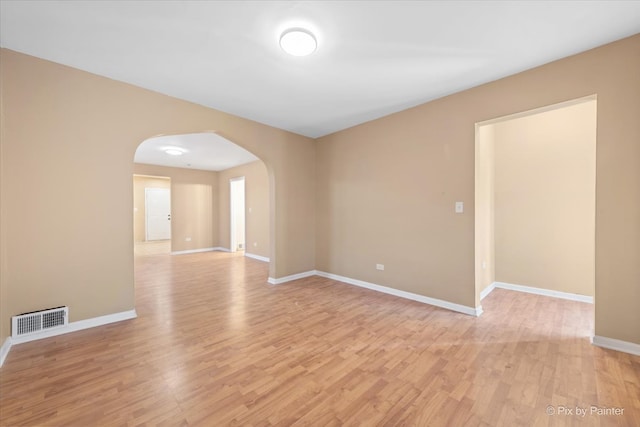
{"x": 71, "y": 327}
{"x": 77, "y": 326}
{"x": 258, "y": 257}
{"x": 543, "y": 109}
{"x": 195, "y": 251}
{"x": 285, "y": 279}
{"x": 233, "y": 195}
{"x": 4, "y": 350}
{"x": 545, "y": 292}
{"x": 614, "y": 344}
{"x": 486, "y": 291}
{"x": 477, "y": 311}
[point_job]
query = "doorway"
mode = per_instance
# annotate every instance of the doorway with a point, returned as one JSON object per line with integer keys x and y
{"x": 535, "y": 202}
{"x": 151, "y": 214}
{"x": 158, "y": 213}
{"x": 237, "y": 214}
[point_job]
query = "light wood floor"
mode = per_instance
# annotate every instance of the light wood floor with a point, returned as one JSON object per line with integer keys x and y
{"x": 215, "y": 345}
{"x": 154, "y": 247}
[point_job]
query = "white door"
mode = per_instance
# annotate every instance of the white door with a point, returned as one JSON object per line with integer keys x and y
{"x": 158, "y": 213}
{"x": 236, "y": 192}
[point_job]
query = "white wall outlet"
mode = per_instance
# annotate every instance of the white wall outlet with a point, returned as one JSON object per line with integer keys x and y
{"x": 484, "y": 265}
{"x": 255, "y": 244}
{"x": 187, "y": 239}
{"x": 379, "y": 266}
{"x": 459, "y": 207}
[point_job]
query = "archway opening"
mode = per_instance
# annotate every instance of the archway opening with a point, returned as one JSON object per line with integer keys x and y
{"x": 199, "y": 168}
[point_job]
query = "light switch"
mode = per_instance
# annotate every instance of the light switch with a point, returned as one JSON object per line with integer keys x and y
{"x": 459, "y": 207}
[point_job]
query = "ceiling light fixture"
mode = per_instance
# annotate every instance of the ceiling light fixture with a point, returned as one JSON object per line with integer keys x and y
{"x": 298, "y": 42}
{"x": 173, "y": 151}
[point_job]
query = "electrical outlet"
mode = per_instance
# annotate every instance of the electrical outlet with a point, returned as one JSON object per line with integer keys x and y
{"x": 484, "y": 265}
{"x": 379, "y": 266}
{"x": 187, "y": 239}
{"x": 255, "y": 244}
{"x": 459, "y": 207}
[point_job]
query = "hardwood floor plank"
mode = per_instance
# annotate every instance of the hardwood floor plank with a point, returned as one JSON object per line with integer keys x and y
{"x": 214, "y": 344}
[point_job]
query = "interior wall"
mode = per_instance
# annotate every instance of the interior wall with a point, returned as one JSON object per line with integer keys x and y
{"x": 5, "y": 322}
{"x": 485, "y": 250}
{"x": 256, "y": 183}
{"x": 545, "y": 199}
{"x": 140, "y": 182}
{"x": 194, "y": 206}
{"x": 70, "y": 134}
{"x": 387, "y": 188}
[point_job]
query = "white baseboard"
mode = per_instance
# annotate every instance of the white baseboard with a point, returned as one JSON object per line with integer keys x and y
{"x": 285, "y": 279}
{"x": 258, "y": 257}
{"x": 77, "y": 326}
{"x": 537, "y": 291}
{"x": 71, "y": 327}
{"x": 486, "y": 291}
{"x": 477, "y": 311}
{"x": 618, "y": 345}
{"x": 195, "y": 251}
{"x": 4, "y": 350}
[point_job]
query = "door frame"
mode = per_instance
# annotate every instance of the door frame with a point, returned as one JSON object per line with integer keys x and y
{"x": 233, "y": 240}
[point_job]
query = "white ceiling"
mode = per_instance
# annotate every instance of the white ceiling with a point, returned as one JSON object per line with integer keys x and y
{"x": 374, "y": 57}
{"x": 206, "y": 151}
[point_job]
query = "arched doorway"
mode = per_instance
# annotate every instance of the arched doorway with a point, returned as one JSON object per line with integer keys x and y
{"x": 200, "y": 167}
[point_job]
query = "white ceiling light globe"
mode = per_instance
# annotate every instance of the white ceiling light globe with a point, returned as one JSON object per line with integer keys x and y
{"x": 174, "y": 151}
{"x": 298, "y": 42}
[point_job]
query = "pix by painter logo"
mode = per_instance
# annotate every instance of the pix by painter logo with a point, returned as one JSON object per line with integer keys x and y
{"x": 580, "y": 411}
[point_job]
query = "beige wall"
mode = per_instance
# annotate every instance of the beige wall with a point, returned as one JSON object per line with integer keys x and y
{"x": 256, "y": 182}
{"x": 387, "y": 188}
{"x": 194, "y": 205}
{"x": 71, "y": 135}
{"x": 5, "y": 306}
{"x": 545, "y": 199}
{"x": 386, "y": 194}
{"x": 140, "y": 183}
{"x": 485, "y": 208}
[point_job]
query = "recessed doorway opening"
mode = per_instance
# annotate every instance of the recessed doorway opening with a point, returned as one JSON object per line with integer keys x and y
{"x": 535, "y": 202}
{"x": 151, "y": 214}
{"x": 237, "y": 214}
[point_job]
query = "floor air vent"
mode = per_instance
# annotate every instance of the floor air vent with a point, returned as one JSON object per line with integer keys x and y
{"x": 38, "y": 321}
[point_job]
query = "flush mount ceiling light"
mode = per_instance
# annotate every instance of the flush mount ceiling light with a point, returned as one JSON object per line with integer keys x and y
{"x": 298, "y": 42}
{"x": 174, "y": 151}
